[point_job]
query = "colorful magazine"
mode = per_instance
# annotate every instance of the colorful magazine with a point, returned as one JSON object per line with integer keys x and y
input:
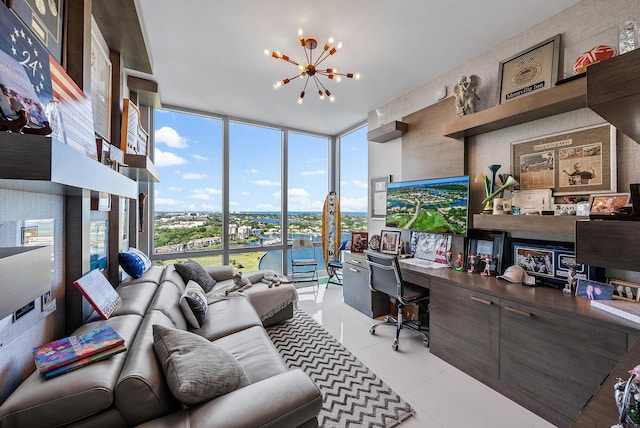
{"x": 73, "y": 348}
{"x": 85, "y": 361}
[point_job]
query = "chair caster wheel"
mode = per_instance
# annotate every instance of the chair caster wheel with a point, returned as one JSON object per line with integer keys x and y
{"x": 395, "y": 345}
{"x": 425, "y": 342}
{"x": 372, "y": 330}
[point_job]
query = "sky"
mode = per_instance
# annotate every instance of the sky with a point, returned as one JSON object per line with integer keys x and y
{"x": 188, "y": 154}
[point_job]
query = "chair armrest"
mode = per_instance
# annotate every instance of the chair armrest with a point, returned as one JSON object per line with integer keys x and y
{"x": 220, "y": 273}
{"x": 285, "y": 400}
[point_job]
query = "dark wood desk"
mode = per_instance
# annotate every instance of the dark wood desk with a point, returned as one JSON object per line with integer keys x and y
{"x": 543, "y": 349}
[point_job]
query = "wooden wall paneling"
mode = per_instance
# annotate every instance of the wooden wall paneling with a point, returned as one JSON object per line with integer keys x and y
{"x": 77, "y": 219}
{"x": 76, "y": 52}
{"x": 426, "y": 153}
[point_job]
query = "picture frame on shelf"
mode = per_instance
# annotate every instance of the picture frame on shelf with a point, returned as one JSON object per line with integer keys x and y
{"x": 44, "y": 19}
{"x": 390, "y": 242}
{"x": 608, "y": 204}
{"x": 625, "y": 290}
{"x": 378, "y": 201}
{"x": 359, "y": 242}
{"x": 100, "y": 83}
{"x": 594, "y": 290}
{"x": 484, "y": 243}
{"x": 532, "y": 70}
{"x": 574, "y": 162}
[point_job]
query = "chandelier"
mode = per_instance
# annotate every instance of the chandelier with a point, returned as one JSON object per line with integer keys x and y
{"x": 311, "y": 70}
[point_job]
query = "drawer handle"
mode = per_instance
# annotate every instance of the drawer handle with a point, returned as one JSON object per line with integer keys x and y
{"x": 357, "y": 262}
{"x": 518, "y": 312}
{"x": 479, "y": 300}
{"x": 354, "y": 270}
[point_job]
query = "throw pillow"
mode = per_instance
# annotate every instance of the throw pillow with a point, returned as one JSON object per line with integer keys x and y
{"x": 195, "y": 369}
{"x": 132, "y": 264}
{"x": 193, "y": 303}
{"x": 145, "y": 259}
{"x": 193, "y": 271}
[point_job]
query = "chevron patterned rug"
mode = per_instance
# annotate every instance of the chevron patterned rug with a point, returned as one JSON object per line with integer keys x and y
{"x": 353, "y": 395}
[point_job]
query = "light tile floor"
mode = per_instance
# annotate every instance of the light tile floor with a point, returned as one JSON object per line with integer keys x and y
{"x": 442, "y": 395}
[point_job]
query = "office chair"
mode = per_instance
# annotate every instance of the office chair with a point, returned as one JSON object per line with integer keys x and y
{"x": 334, "y": 267}
{"x": 385, "y": 277}
{"x": 303, "y": 260}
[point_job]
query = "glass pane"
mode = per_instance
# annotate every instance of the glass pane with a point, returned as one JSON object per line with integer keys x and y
{"x": 246, "y": 262}
{"x": 188, "y": 198}
{"x": 308, "y": 185}
{"x": 205, "y": 261}
{"x": 255, "y": 171}
{"x": 353, "y": 181}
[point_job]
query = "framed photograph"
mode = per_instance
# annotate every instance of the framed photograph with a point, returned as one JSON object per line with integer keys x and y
{"x": 359, "y": 241}
{"x": 625, "y": 290}
{"x": 529, "y": 71}
{"x": 551, "y": 264}
{"x": 430, "y": 246}
{"x": 100, "y": 83}
{"x": 594, "y": 290}
{"x": 390, "y": 241}
{"x": 608, "y": 204}
{"x": 485, "y": 246}
{"x": 379, "y": 197}
{"x": 44, "y": 18}
{"x": 581, "y": 161}
{"x": 29, "y": 233}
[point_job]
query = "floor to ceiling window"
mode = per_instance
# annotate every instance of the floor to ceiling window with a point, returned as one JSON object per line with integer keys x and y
{"x": 220, "y": 198}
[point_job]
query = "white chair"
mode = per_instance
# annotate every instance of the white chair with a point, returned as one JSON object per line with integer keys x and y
{"x": 304, "y": 264}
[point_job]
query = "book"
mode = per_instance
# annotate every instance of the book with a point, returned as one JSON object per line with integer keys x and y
{"x": 73, "y": 348}
{"x": 99, "y": 293}
{"x": 85, "y": 361}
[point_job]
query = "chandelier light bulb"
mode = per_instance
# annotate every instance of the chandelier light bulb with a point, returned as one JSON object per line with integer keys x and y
{"x": 332, "y": 99}
{"x": 339, "y": 45}
{"x": 267, "y": 52}
{"x": 330, "y": 41}
{"x": 338, "y": 79}
{"x": 321, "y": 95}
{"x": 300, "y": 32}
{"x": 357, "y": 76}
{"x": 301, "y": 99}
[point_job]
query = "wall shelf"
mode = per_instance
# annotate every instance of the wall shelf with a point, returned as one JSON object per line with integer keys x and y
{"x": 613, "y": 91}
{"x": 388, "y": 132}
{"x": 559, "y": 99}
{"x": 140, "y": 168}
{"x": 34, "y": 163}
{"x": 552, "y": 228}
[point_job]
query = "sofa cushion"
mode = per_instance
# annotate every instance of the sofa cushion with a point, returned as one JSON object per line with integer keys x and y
{"x": 228, "y": 316}
{"x": 196, "y": 369}
{"x": 136, "y": 298}
{"x": 193, "y": 271}
{"x": 167, "y": 301}
{"x": 255, "y": 352}
{"x": 55, "y": 402}
{"x": 193, "y": 303}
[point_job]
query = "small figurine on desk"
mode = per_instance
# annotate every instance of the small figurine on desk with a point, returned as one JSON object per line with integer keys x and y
{"x": 487, "y": 266}
{"x": 459, "y": 264}
{"x": 572, "y": 282}
{"x": 472, "y": 263}
{"x": 449, "y": 256}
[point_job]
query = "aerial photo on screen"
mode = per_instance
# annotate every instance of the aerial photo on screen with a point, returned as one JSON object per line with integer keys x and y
{"x": 434, "y": 205}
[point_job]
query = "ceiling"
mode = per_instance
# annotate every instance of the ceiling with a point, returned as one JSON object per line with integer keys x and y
{"x": 208, "y": 55}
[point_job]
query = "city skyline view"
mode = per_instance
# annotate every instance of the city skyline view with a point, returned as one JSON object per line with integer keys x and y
{"x": 188, "y": 154}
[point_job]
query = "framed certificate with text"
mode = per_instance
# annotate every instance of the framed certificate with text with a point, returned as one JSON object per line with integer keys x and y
{"x": 44, "y": 18}
{"x": 532, "y": 70}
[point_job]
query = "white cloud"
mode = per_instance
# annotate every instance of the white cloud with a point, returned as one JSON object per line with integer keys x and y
{"x": 166, "y": 201}
{"x": 167, "y": 159}
{"x": 193, "y": 176}
{"x": 234, "y": 203}
{"x": 353, "y": 204}
{"x": 360, "y": 183}
{"x": 199, "y": 158}
{"x": 266, "y": 183}
{"x": 316, "y": 172}
{"x": 299, "y": 200}
{"x": 245, "y": 193}
{"x": 170, "y": 137}
{"x": 208, "y": 191}
{"x": 265, "y": 207}
{"x": 209, "y": 207}
{"x": 253, "y": 171}
{"x": 298, "y": 193}
{"x": 201, "y": 196}
{"x": 174, "y": 189}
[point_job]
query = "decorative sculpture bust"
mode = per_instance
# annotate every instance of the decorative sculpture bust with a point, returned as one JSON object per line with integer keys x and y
{"x": 466, "y": 91}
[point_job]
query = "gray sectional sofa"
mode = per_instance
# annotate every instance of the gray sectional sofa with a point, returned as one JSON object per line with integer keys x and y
{"x": 130, "y": 389}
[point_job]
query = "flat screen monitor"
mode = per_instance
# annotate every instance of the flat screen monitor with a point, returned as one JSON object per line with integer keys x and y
{"x": 437, "y": 205}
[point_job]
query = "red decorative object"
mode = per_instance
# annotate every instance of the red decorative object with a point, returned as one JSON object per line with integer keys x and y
{"x": 596, "y": 54}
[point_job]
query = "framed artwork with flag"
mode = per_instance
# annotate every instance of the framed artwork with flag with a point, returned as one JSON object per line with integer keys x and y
{"x": 44, "y": 18}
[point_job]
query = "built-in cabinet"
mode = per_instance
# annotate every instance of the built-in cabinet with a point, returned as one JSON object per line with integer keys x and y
{"x": 356, "y": 292}
{"x": 466, "y": 323}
